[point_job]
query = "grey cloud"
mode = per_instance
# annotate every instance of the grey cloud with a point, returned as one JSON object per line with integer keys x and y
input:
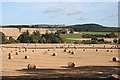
{"x": 109, "y": 18}
{"x": 53, "y": 10}
{"x": 74, "y": 12}
{"x": 84, "y": 18}
{"x": 53, "y": 16}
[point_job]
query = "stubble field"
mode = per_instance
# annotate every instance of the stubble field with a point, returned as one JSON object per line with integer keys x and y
{"x": 88, "y": 64}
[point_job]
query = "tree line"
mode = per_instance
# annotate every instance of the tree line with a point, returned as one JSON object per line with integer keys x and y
{"x": 35, "y": 37}
{"x": 110, "y": 35}
{"x": 98, "y": 41}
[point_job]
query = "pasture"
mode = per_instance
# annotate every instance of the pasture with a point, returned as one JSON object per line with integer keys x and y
{"x": 82, "y": 33}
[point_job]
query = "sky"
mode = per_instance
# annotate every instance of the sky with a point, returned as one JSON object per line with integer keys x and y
{"x": 104, "y": 13}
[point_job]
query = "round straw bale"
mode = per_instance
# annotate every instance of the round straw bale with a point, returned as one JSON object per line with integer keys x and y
{"x": 26, "y": 57}
{"x": 54, "y": 54}
{"x": 115, "y": 59}
{"x": 16, "y": 53}
{"x": 10, "y": 57}
{"x": 84, "y": 49}
{"x": 107, "y": 50}
{"x": 72, "y": 52}
{"x": 65, "y": 50}
{"x": 31, "y": 66}
{"x": 111, "y": 51}
{"x": 48, "y": 50}
{"x": 97, "y": 49}
{"x": 10, "y": 54}
{"x": 33, "y": 51}
{"x": 71, "y": 64}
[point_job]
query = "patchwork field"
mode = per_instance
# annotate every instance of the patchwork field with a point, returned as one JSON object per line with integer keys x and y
{"x": 89, "y": 63}
{"x": 51, "y": 61}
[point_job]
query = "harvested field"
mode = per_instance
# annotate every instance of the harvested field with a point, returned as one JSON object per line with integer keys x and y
{"x": 88, "y": 64}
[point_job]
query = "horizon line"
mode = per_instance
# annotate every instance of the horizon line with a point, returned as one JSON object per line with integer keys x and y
{"x": 56, "y": 24}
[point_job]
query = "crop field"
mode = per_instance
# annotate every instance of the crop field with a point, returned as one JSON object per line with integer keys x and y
{"x": 72, "y": 35}
{"x": 82, "y": 33}
{"x": 90, "y": 62}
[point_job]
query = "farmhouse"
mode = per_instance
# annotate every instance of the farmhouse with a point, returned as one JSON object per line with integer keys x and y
{"x": 76, "y": 32}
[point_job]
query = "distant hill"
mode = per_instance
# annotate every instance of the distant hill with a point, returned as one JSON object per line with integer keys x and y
{"x": 93, "y": 28}
{"x": 78, "y": 27}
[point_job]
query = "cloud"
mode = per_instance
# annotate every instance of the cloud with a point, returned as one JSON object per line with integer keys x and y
{"x": 110, "y": 17}
{"x": 74, "y": 12}
{"x": 54, "y": 16}
{"x": 53, "y": 10}
{"x": 84, "y": 18}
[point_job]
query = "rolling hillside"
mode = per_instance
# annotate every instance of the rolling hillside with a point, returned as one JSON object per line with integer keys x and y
{"x": 93, "y": 28}
{"x": 76, "y": 27}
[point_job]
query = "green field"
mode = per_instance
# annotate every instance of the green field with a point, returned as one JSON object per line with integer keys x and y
{"x": 69, "y": 41}
{"x": 72, "y": 35}
{"x": 96, "y": 33}
{"x": 82, "y": 33}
